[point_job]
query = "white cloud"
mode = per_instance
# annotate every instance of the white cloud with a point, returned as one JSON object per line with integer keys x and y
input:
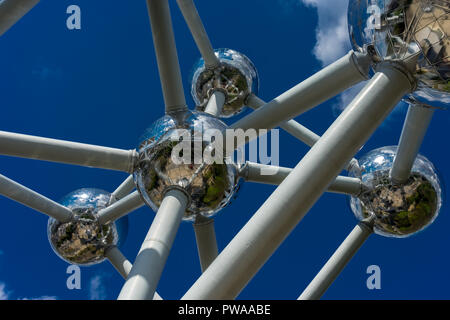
{"x": 42, "y": 298}
{"x": 4, "y": 295}
{"x": 333, "y": 42}
{"x": 331, "y": 32}
{"x": 96, "y": 289}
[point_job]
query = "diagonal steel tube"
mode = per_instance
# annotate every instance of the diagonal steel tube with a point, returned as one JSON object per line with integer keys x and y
{"x": 124, "y": 189}
{"x": 12, "y": 11}
{"x": 32, "y": 147}
{"x": 205, "y": 236}
{"x": 34, "y": 200}
{"x": 166, "y": 55}
{"x": 291, "y": 126}
{"x": 122, "y": 264}
{"x": 263, "y": 173}
{"x": 294, "y": 128}
{"x": 120, "y": 208}
{"x": 414, "y": 129}
{"x": 325, "y": 84}
{"x": 119, "y": 261}
{"x": 198, "y": 32}
{"x": 147, "y": 268}
{"x": 282, "y": 211}
{"x": 337, "y": 262}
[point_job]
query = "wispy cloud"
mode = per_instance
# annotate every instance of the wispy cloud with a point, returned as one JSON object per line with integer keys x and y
{"x": 332, "y": 41}
{"x": 41, "y": 298}
{"x": 331, "y": 32}
{"x": 4, "y": 295}
{"x": 97, "y": 290}
{"x": 7, "y": 294}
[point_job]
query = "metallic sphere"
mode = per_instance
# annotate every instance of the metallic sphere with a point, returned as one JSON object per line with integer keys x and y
{"x": 397, "y": 210}
{"x": 83, "y": 240}
{"x": 236, "y": 76}
{"x": 407, "y": 29}
{"x": 174, "y": 154}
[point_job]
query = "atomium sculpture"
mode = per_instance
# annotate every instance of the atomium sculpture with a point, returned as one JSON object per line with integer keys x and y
{"x": 401, "y": 47}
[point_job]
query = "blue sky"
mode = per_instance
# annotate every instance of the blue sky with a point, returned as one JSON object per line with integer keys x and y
{"x": 100, "y": 85}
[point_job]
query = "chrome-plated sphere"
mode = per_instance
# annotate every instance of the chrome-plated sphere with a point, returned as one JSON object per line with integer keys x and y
{"x": 175, "y": 153}
{"x": 402, "y": 29}
{"x": 397, "y": 210}
{"x": 235, "y": 76}
{"x": 82, "y": 240}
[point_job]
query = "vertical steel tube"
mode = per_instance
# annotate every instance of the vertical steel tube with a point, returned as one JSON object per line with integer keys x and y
{"x": 283, "y": 210}
{"x": 147, "y": 269}
{"x": 198, "y": 31}
{"x": 205, "y": 236}
{"x": 337, "y": 262}
{"x": 12, "y": 11}
{"x": 122, "y": 264}
{"x": 166, "y": 55}
{"x": 416, "y": 124}
{"x": 333, "y": 79}
{"x": 120, "y": 208}
{"x": 215, "y": 103}
{"x": 34, "y": 200}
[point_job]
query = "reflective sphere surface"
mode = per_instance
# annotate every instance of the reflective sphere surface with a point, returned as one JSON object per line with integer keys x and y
{"x": 236, "y": 76}
{"x": 83, "y": 240}
{"x": 174, "y": 153}
{"x": 398, "y": 210}
{"x": 401, "y": 29}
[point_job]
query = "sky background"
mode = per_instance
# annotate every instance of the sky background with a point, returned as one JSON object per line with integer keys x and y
{"x": 100, "y": 85}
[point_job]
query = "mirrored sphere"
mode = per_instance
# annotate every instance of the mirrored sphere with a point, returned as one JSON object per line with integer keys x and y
{"x": 236, "y": 76}
{"x": 83, "y": 240}
{"x": 401, "y": 29}
{"x": 174, "y": 153}
{"x": 398, "y": 210}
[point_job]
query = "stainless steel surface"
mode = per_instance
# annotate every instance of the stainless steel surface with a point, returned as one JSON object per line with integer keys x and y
{"x": 209, "y": 184}
{"x": 405, "y": 29}
{"x": 282, "y": 211}
{"x": 235, "y": 76}
{"x": 83, "y": 240}
{"x": 399, "y": 210}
